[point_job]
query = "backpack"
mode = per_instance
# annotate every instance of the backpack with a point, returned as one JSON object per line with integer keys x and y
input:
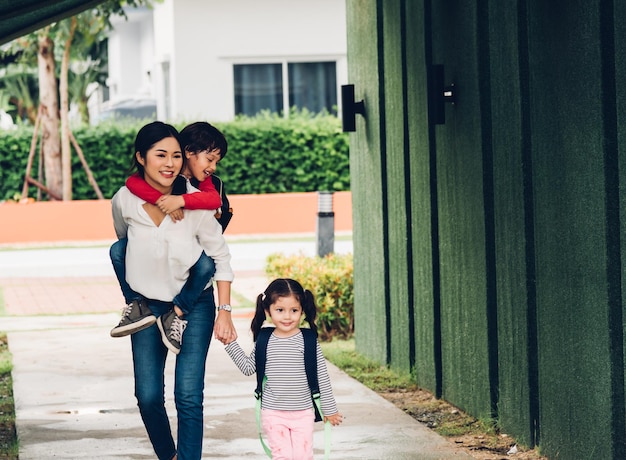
{"x": 310, "y": 365}
{"x": 225, "y": 213}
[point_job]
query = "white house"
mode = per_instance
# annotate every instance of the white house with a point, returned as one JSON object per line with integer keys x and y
{"x": 213, "y": 59}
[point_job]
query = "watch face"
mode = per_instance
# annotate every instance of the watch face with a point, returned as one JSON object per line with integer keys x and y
{"x": 225, "y": 307}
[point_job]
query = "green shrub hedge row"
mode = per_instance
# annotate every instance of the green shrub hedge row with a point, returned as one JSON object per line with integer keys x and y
{"x": 266, "y": 154}
{"x": 330, "y": 280}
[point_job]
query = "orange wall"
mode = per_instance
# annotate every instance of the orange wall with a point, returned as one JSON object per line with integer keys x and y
{"x": 90, "y": 220}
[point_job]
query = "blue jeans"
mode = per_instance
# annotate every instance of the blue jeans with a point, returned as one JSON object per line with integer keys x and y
{"x": 149, "y": 355}
{"x": 199, "y": 275}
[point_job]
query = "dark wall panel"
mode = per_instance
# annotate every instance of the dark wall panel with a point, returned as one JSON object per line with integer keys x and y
{"x": 568, "y": 154}
{"x": 619, "y": 246}
{"x": 397, "y": 174}
{"x": 367, "y": 183}
{"x": 459, "y": 151}
{"x": 422, "y": 194}
{"x": 514, "y": 250}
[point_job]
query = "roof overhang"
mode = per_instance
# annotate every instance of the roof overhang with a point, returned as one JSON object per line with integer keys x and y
{"x": 20, "y": 17}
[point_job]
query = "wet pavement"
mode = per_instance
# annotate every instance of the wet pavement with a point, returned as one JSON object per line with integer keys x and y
{"x": 73, "y": 383}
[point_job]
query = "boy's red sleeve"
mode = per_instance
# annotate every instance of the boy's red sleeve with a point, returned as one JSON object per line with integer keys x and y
{"x": 207, "y": 198}
{"x": 142, "y": 189}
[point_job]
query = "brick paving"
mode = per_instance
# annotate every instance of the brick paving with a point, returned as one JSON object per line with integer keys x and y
{"x": 79, "y": 295}
{"x": 55, "y": 296}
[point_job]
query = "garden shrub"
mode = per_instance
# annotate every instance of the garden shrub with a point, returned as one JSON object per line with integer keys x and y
{"x": 330, "y": 280}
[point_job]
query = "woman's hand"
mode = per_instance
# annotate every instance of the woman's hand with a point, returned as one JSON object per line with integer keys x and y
{"x": 177, "y": 215}
{"x": 224, "y": 329}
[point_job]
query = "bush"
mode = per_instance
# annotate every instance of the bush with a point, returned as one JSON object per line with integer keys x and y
{"x": 266, "y": 154}
{"x": 330, "y": 280}
{"x": 272, "y": 154}
{"x": 107, "y": 149}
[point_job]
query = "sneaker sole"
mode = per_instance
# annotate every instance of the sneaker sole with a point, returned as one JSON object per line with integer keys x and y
{"x": 137, "y": 326}
{"x": 164, "y": 338}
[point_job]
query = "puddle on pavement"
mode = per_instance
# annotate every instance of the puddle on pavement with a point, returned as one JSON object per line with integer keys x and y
{"x": 93, "y": 410}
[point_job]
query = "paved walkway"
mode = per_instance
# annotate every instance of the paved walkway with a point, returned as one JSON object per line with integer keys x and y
{"x": 73, "y": 383}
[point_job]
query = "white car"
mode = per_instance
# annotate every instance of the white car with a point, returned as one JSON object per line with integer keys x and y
{"x": 129, "y": 108}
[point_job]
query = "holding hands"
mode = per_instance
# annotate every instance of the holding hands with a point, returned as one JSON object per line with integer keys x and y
{"x": 224, "y": 329}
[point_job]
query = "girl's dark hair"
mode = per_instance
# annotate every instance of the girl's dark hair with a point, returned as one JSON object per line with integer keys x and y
{"x": 283, "y": 287}
{"x": 200, "y": 136}
{"x": 149, "y": 135}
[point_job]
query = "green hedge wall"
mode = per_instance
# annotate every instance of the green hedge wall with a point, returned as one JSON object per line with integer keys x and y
{"x": 266, "y": 154}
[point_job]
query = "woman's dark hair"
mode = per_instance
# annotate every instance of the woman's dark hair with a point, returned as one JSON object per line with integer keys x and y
{"x": 200, "y": 136}
{"x": 283, "y": 287}
{"x": 149, "y": 135}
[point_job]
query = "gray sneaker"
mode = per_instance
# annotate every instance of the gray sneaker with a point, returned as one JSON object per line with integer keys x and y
{"x": 135, "y": 317}
{"x": 172, "y": 328}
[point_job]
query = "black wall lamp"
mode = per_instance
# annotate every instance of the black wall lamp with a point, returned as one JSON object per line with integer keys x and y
{"x": 349, "y": 108}
{"x": 439, "y": 95}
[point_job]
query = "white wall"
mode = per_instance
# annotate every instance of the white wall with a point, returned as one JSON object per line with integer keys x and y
{"x": 202, "y": 39}
{"x": 164, "y": 40}
{"x": 131, "y": 56}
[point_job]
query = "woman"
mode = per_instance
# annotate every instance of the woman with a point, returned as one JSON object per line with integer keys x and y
{"x": 203, "y": 146}
{"x": 159, "y": 254}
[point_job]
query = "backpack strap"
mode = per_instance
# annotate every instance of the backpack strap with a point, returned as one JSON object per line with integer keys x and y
{"x": 225, "y": 212}
{"x": 260, "y": 358}
{"x": 310, "y": 366}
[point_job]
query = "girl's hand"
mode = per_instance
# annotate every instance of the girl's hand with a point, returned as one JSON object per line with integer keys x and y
{"x": 334, "y": 419}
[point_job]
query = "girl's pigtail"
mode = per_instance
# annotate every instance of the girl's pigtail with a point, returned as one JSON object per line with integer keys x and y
{"x": 310, "y": 309}
{"x": 259, "y": 316}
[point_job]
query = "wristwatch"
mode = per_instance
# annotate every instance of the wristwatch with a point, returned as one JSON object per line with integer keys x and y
{"x": 225, "y": 307}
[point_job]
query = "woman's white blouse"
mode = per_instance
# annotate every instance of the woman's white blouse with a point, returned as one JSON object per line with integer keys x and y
{"x": 158, "y": 259}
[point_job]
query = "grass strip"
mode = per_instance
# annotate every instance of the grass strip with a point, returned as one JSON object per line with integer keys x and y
{"x": 9, "y": 446}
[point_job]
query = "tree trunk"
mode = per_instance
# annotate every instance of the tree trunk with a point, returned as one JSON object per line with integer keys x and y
{"x": 66, "y": 152}
{"x": 48, "y": 98}
{"x": 83, "y": 109}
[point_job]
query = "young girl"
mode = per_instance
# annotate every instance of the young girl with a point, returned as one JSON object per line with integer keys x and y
{"x": 287, "y": 413}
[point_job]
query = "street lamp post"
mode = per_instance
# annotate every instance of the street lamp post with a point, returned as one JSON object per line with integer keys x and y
{"x": 325, "y": 223}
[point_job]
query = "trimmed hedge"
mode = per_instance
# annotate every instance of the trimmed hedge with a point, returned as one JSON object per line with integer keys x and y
{"x": 269, "y": 154}
{"x": 266, "y": 154}
{"x": 107, "y": 149}
{"x": 330, "y": 280}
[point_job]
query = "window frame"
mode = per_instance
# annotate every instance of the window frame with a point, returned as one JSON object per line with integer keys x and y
{"x": 284, "y": 63}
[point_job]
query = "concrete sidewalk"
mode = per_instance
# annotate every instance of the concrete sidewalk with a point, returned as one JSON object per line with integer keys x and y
{"x": 74, "y": 398}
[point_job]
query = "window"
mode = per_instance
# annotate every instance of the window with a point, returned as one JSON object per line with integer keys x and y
{"x": 258, "y": 87}
{"x": 278, "y": 87}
